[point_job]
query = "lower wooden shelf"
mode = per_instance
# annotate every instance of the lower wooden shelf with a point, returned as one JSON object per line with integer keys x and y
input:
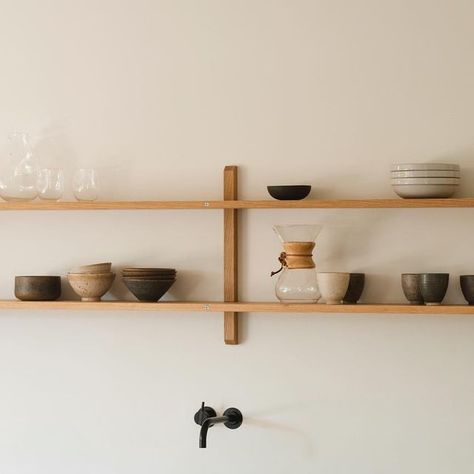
{"x": 238, "y": 307}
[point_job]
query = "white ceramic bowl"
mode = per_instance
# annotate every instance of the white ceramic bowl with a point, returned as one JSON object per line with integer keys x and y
{"x": 425, "y": 174}
{"x": 424, "y": 167}
{"x": 416, "y": 181}
{"x": 425, "y": 190}
{"x": 333, "y": 286}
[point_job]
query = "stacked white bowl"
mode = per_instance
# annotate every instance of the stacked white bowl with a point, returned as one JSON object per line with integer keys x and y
{"x": 425, "y": 180}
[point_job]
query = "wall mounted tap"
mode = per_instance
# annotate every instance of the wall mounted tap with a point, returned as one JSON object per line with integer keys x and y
{"x": 207, "y": 417}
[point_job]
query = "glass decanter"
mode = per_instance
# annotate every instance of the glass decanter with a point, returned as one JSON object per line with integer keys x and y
{"x": 19, "y": 173}
{"x": 297, "y": 282}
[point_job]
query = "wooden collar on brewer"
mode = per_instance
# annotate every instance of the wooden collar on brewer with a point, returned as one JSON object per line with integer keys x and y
{"x": 296, "y": 255}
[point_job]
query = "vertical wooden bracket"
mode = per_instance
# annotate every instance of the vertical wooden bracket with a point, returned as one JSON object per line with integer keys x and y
{"x": 231, "y": 319}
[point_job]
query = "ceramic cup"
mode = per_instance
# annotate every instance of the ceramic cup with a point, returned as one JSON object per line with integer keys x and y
{"x": 467, "y": 287}
{"x": 333, "y": 286}
{"x": 433, "y": 287}
{"x": 411, "y": 288}
{"x": 355, "y": 289}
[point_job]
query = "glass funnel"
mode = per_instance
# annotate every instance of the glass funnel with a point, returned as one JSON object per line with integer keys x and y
{"x": 297, "y": 282}
{"x": 19, "y": 173}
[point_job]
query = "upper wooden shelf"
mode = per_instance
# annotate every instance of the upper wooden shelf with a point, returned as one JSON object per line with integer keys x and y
{"x": 259, "y": 204}
{"x": 239, "y": 306}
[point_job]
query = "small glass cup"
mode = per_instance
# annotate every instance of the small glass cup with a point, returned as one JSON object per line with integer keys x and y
{"x": 50, "y": 184}
{"x": 85, "y": 184}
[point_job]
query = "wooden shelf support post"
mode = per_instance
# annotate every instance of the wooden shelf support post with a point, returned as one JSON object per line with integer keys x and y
{"x": 231, "y": 319}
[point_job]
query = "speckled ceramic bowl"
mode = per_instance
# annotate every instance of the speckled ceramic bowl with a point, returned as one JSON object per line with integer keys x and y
{"x": 91, "y": 286}
{"x": 411, "y": 287}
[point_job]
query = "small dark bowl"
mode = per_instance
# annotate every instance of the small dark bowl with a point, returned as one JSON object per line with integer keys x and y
{"x": 355, "y": 288}
{"x": 433, "y": 287}
{"x": 467, "y": 287}
{"x": 411, "y": 287}
{"x": 289, "y": 193}
{"x": 37, "y": 288}
{"x": 148, "y": 290}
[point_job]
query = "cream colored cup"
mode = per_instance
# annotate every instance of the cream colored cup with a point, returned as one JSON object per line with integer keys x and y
{"x": 333, "y": 286}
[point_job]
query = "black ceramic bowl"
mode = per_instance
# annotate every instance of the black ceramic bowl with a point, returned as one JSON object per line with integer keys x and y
{"x": 355, "y": 288}
{"x": 38, "y": 288}
{"x": 148, "y": 290}
{"x": 289, "y": 193}
{"x": 467, "y": 287}
{"x": 411, "y": 288}
{"x": 433, "y": 287}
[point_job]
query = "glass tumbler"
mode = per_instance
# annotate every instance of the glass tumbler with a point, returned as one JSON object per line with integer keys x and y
{"x": 50, "y": 183}
{"x": 85, "y": 184}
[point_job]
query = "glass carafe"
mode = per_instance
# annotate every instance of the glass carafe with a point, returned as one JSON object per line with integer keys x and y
{"x": 19, "y": 171}
{"x": 297, "y": 282}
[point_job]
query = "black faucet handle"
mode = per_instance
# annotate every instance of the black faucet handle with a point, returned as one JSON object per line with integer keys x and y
{"x": 203, "y": 414}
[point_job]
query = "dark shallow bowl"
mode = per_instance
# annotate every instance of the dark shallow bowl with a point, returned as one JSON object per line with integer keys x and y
{"x": 289, "y": 193}
{"x": 148, "y": 290}
{"x": 433, "y": 287}
{"x": 37, "y": 288}
{"x": 411, "y": 288}
{"x": 467, "y": 287}
{"x": 355, "y": 288}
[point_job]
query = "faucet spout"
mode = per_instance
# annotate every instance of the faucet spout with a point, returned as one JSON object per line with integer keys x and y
{"x": 206, "y": 424}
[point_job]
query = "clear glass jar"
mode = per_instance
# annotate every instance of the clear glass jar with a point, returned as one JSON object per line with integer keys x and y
{"x": 50, "y": 183}
{"x": 85, "y": 184}
{"x": 19, "y": 173}
{"x": 297, "y": 282}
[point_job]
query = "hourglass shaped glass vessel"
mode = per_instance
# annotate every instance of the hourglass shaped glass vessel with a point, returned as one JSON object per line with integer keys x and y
{"x": 297, "y": 282}
{"x": 20, "y": 170}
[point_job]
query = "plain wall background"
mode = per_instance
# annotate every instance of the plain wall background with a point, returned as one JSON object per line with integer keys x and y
{"x": 160, "y": 96}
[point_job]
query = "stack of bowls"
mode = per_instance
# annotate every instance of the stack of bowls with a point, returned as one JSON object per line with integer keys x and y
{"x": 149, "y": 284}
{"x": 425, "y": 180}
{"x": 91, "y": 282}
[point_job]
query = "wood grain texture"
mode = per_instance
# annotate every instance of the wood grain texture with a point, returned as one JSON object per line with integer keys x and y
{"x": 237, "y": 204}
{"x": 238, "y": 306}
{"x": 231, "y": 318}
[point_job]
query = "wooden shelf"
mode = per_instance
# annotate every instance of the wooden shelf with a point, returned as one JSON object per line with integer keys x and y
{"x": 238, "y": 204}
{"x": 238, "y": 307}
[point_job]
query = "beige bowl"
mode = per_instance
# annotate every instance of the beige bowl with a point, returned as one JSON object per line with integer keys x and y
{"x": 91, "y": 286}
{"x": 94, "y": 268}
{"x": 333, "y": 286}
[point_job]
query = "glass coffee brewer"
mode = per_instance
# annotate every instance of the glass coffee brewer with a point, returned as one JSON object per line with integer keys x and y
{"x": 297, "y": 282}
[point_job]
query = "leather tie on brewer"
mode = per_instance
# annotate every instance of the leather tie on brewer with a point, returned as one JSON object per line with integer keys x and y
{"x": 296, "y": 255}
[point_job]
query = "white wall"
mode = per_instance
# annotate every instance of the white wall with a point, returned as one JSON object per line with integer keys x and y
{"x": 160, "y": 95}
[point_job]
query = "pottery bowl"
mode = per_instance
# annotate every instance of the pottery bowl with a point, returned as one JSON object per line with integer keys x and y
{"x": 424, "y": 174}
{"x": 425, "y": 167}
{"x": 93, "y": 268}
{"x": 91, "y": 286}
{"x": 289, "y": 192}
{"x": 433, "y": 287}
{"x": 333, "y": 286}
{"x": 37, "y": 288}
{"x": 355, "y": 288}
{"x": 148, "y": 289}
{"x": 417, "y": 191}
{"x": 467, "y": 287}
{"x": 411, "y": 287}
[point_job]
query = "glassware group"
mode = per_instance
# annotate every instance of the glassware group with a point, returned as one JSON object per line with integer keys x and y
{"x": 22, "y": 179}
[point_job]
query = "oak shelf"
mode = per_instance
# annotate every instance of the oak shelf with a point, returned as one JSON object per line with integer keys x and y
{"x": 231, "y": 205}
{"x": 239, "y": 204}
{"x": 238, "y": 307}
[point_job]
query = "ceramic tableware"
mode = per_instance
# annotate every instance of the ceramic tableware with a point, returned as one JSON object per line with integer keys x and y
{"x": 467, "y": 287}
{"x": 289, "y": 192}
{"x": 333, "y": 286}
{"x": 37, "y": 288}
{"x": 91, "y": 286}
{"x": 355, "y": 288}
{"x": 433, "y": 287}
{"x": 411, "y": 287}
{"x": 148, "y": 289}
{"x": 93, "y": 268}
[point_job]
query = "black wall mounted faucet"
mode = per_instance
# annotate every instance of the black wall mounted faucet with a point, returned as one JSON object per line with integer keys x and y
{"x": 207, "y": 417}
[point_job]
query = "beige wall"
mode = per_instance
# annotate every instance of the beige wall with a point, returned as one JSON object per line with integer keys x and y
{"x": 160, "y": 95}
